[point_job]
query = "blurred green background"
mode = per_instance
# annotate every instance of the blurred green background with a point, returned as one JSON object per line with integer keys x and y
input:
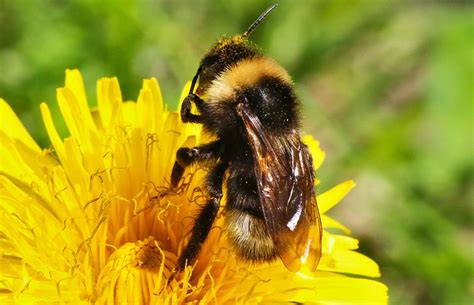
{"x": 387, "y": 87}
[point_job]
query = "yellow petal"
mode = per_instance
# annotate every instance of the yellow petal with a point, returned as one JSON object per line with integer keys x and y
{"x": 345, "y": 290}
{"x": 76, "y": 85}
{"x": 278, "y": 285}
{"x": 150, "y": 107}
{"x": 52, "y": 132}
{"x": 332, "y": 197}
{"x": 328, "y": 222}
{"x": 9, "y": 123}
{"x": 109, "y": 99}
{"x": 316, "y": 152}
{"x": 347, "y": 261}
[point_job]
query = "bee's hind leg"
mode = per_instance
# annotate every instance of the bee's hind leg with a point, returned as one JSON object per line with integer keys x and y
{"x": 205, "y": 219}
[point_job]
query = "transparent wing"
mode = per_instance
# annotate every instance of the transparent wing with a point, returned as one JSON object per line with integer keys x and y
{"x": 283, "y": 168}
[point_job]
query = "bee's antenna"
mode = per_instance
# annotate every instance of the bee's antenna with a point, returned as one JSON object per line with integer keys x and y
{"x": 259, "y": 19}
{"x": 193, "y": 83}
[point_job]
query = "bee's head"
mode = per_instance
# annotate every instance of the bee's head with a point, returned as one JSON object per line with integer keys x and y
{"x": 226, "y": 53}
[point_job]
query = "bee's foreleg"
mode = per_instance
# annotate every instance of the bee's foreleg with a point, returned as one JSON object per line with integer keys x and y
{"x": 186, "y": 114}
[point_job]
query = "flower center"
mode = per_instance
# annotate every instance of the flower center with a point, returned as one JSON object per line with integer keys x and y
{"x": 146, "y": 255}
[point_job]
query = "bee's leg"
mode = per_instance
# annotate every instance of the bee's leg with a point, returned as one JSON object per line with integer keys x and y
{"x": 186, "y": 114}
{"x": 185, "y": 156}
{"x": 205, "y": 219}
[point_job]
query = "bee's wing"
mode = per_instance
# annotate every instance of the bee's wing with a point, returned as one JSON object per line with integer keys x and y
{"x": 284, "y": 173}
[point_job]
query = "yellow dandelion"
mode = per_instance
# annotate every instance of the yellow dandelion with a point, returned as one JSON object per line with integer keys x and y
{"x": 93, "y": 220}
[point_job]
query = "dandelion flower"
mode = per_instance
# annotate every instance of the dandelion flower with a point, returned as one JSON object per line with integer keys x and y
{"x": 93, "y": 220}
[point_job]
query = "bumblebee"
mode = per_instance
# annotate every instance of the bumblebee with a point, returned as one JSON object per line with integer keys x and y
{"x": 247, "y": 100}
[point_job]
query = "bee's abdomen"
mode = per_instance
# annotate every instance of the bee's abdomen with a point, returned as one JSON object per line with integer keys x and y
{"x": 249, "y": 236}
{"x": 245, "y": 221}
